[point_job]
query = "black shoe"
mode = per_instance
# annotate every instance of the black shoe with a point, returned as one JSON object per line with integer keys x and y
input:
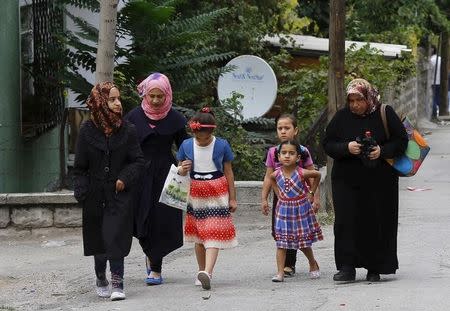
{"x": 344, "y": 276}
{"x": 289, "y": 271}
{"x": 373, "y": 277}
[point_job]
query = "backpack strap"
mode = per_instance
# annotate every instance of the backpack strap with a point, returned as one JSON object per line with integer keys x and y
{"x": 383, "y": 118}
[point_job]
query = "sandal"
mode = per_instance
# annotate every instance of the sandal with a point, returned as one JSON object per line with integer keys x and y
{"x": 315, "y": 274}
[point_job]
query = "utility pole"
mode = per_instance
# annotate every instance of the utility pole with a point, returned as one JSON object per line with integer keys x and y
{"x": 335, "y": 75}
{"x": 443, "y": 105}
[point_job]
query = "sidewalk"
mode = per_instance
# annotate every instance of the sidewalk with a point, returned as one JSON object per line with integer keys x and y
{"x": 49, "y": 272}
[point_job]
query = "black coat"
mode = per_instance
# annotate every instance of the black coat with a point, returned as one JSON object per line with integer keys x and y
{"x": 365, "y": 199}
{"x": 157, "y": 226}
{"x": 99, "y": 162}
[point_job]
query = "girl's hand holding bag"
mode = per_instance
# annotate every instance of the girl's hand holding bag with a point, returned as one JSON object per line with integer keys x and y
{"x": 176, "y": 188}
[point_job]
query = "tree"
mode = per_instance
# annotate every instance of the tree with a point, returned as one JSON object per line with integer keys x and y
{"x": 162, "y": 40}
{"x": 336, "y": 71}
{"x": 181, "y": 46}
{"x": 318, "y": 11}
{"x": 399, "y": 22}
{"x": 106, "y": 41}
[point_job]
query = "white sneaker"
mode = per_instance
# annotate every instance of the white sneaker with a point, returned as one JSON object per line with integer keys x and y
{"x": 117, "y": 294}
{"x": 103, "y": 291}
{"x": 102, "y": 288}
{"x": 205, "y": 279}
{"x": 197, "y": 282}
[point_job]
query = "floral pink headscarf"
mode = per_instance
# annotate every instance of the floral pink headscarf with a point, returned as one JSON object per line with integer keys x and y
{"x": 156, "y": 81}
{"x": 363, "y": 88}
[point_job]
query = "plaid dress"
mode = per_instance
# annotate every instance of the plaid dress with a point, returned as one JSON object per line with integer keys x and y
{"x": 295, "y": 222}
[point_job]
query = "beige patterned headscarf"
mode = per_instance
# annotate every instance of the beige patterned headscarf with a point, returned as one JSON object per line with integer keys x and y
{"x": 363, "y": 88}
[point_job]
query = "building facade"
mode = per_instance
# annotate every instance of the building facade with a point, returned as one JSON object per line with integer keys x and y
{"x": 29, "y": 144}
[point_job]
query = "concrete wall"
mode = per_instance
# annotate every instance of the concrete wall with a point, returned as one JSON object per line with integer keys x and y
{"x": 10, "y": 90}
{"x": 24, "y": 166}
{"x": 415, "y": 97}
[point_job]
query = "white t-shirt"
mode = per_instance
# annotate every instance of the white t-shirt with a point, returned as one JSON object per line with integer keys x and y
{"x": 433, "y": 66}
{"x": 203, "y": 157}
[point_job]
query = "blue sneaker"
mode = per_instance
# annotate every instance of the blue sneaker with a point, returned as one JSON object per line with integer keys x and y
{"x": 154, "y": 281}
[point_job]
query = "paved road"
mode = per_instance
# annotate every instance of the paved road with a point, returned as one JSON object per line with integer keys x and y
{"x": 47, "y": 272}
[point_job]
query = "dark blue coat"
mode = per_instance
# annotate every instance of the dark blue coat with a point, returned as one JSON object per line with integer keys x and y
{"x": 157, "y": 226}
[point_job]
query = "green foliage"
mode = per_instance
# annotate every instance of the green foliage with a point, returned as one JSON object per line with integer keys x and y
{"x": 318, "y": 12}
{"x": 369, "y": 63}
{"x": 128, "y": 94}
{"x": 304, "y": 89}
{"x": 78, "y": 54}
{"x": 400, "y": 22}
{"x": 177, "y": 45}
{"x": 162, "y": 40}
{"x": 243, "y": 26}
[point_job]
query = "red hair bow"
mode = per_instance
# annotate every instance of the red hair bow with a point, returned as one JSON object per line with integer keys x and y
{"x": 206, "y": 110}
{"x": 195, "y": 125}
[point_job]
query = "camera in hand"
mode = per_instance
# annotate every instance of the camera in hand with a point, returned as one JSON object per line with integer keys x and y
{"x": 368, "y": 144}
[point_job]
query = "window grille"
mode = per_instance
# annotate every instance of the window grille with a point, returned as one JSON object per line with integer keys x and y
{"x": 42, "y": 67}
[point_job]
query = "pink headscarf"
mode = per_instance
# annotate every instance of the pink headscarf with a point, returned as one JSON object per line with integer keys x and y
{"x": 156, "y": 81}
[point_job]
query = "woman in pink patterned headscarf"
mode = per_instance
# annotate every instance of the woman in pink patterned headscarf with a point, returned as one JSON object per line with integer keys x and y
{"x": 159, "y": 127}
{"x": 156, "y": 94}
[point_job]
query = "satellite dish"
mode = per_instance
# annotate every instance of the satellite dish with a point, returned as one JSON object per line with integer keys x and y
{"x": 255, "y": 80}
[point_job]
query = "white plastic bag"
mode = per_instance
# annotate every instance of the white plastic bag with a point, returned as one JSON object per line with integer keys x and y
{"x": 176, "y": 188}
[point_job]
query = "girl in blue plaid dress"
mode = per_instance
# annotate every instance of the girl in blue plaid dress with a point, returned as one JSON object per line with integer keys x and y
{"x": 295, "y": 226}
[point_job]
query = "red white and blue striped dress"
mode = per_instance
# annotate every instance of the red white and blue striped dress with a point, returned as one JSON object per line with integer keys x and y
{"x": 208, "y": 218}
{"x": 295, "y": 225}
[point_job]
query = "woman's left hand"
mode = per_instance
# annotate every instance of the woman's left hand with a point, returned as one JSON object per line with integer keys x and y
{"x": 375, "y": 154}
{"x": 233, "y": 205}
{"x": 119, "y": 185}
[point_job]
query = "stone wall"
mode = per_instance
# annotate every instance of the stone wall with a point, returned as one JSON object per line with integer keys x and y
{"x": 415, "y": 97}
{"x": 39, "y": 210}
{"x": 24, "y": 211}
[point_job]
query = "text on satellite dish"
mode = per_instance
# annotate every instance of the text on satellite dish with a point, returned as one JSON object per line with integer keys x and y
{"x": 247, "y": 75}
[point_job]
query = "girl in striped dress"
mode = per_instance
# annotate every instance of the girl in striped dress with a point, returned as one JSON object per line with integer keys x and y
{"x": 212, "y": 196}
{"x": 295, "y": 225}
